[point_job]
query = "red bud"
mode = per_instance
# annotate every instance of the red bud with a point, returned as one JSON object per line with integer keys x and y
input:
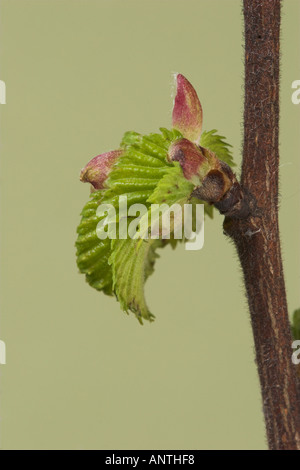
{"x": 97, "y": 170}
{"x": 187, "y": 111}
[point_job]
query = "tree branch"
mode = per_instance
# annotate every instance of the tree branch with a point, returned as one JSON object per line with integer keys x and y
{"x": 257, "y": 238}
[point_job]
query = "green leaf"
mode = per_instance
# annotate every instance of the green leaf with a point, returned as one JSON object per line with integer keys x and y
{"x": 172, "y": 187}
{"x": 296, "y": 325}
{"x": 132, "y": 262}
{"x": 93, "y": 253}
{"x": 135, "y": 175}
{"x": 145, "y": 176}
{"x": 217, "y": 144}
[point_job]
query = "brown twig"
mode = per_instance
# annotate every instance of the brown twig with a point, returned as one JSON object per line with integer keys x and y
{"x": 257, "y": 238}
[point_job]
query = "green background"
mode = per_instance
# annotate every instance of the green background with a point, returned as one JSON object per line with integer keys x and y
{"x": 80, "y": 374}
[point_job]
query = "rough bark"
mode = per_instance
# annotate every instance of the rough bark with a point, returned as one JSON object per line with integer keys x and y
{"x": 257, "y": 237}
